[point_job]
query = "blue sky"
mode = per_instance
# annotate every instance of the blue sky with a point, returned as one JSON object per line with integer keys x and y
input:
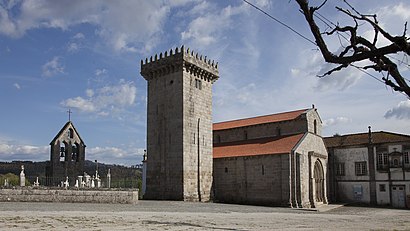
{"x": 85, "y": 55}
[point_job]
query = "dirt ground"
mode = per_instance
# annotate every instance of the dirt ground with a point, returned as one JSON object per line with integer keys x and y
{"x": 171, "y": 215}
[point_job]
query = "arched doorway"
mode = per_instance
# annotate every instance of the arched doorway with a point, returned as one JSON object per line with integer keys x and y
{"x": 318, "y": 177}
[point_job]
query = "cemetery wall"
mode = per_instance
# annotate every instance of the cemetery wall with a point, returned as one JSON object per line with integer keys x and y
{"x": 69, "y": 196}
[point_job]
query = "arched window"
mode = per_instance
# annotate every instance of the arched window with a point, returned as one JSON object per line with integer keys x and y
{"x": 62, "y": 151}
{"x": 74, "y": 152}
{"x": 315, "y": 126}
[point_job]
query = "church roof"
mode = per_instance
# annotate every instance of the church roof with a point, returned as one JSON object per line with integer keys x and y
{"x": 363, "y": 139}
{"x": 254, "y": 147}
{"x": 284, "y": 116}
{"x": 63, "y": 129}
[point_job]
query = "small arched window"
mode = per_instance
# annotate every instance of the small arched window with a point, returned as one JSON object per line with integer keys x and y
{"x": 315, "y": 126}
{"x": 62, "y": 151}
{"x": 70, "y": 133}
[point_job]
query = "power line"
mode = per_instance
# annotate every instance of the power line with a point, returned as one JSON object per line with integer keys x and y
{"x": 374, "y": 77}
{"x": 280, "y": 22}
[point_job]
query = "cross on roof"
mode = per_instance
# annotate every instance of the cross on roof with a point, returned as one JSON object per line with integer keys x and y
{"x": 69, "y": 114}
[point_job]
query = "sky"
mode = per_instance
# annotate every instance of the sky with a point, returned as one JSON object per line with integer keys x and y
{"x": 85, "y": 56}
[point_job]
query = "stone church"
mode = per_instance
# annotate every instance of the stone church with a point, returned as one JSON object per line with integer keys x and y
{"x": 67, "y": 155}
{"x": 276, "y": 159}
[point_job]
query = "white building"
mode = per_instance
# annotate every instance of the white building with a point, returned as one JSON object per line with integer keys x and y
{"x": 370, "y": 168}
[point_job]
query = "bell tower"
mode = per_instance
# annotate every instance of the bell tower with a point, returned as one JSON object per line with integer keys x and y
{"x": 179, "y": 125}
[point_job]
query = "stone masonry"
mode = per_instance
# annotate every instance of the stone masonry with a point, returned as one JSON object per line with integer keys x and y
{"x": 179, "y": 125}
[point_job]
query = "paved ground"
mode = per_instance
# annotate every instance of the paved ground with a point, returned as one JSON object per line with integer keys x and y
{"x": 168, "y": 215}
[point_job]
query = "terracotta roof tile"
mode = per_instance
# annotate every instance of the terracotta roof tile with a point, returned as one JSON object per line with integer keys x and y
{"x": 363, "y": 138}
{"x": 264, "y": 146}
{"x": 258, "y": 120}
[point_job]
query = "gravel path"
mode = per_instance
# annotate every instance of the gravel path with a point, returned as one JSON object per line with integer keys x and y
{"x": 170, "y": 215}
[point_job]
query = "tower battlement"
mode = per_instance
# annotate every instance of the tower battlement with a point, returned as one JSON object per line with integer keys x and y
{"x": 178, "y": 60}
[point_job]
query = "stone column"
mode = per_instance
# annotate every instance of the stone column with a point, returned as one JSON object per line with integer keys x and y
{"x": 109, "y": 178}
{"x": 144, "y": 173}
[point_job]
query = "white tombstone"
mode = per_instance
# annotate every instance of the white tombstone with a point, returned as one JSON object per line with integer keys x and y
{"x": 80, "y": 181}
{"x": 36, "y": 183}
{"x": 66, "y": 183}
{"x": 87, "y": 180}
{"x": 98, "y": 183}
{"x": 92, "y": 183}
{"x": 22, "y": 177}
{"x": 82, "y": 184}
{"x": 76, "y": 184}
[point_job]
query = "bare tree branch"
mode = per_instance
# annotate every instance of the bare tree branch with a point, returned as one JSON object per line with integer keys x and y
{"x": 359, "y": 48}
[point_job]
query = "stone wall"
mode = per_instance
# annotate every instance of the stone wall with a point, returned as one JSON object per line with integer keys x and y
{"x": 68, "y": 196}
{"x": 260, "y": 179}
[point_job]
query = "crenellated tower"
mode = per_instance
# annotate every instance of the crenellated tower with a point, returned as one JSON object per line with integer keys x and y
{"x": 179, "y": 125}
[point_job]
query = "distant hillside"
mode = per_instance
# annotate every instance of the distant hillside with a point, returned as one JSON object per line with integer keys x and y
{"x": 34, "y": 169}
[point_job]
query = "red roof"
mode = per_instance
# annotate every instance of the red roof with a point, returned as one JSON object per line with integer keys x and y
{"x": 363, "y": 138}
{"x": 258, "y": 120}
{"x": 263, "y": 146}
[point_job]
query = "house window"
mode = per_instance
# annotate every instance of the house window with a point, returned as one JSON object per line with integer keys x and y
{"x": 226, "y": 169}
{"x": 406, "y": 157}
{"x": 263, "y": 170}
{"x": 380, "y": 159}
{"x": 198, "y": 84}
{"x": 382, "y": 187}
{"x": 360, "y": 168}
{"x": 340, "y": 169}
{"x": 385, "y": 158}
{"x": 245, "y": 135}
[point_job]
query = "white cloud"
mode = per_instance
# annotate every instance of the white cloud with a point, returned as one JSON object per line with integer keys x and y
{"x": 117, "y": 155}
{"x": 17, "y": 86}
{"x": 124, "y": 25}
{"x": 336, "y": 121}
{"x": 104, "y": 101}
{"x": 79, "y": 36}
{"x": 9, "y": 151}
{"x": 99, "y": 72}
{"x": 52, "y": 67}
{"x": 401, "y": 111}
{"x": 208, "y": 28}
{"x": 72, "y": 47}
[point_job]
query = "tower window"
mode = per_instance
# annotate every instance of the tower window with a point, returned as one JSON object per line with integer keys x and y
{"x": 198, "y": 84}
{"x": 315, "y": 126}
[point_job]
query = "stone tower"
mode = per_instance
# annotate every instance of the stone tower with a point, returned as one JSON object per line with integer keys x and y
{"x": 179, "y": 125}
